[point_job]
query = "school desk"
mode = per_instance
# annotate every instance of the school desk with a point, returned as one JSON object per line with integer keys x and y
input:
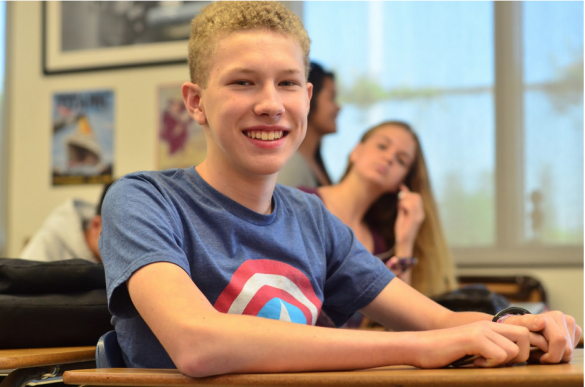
{"x": 520, "y": 375}
{"x": 23, "y": 366}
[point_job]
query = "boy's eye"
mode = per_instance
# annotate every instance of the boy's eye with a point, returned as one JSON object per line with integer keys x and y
{"x": 288, "y": 83}
{"x": 382, "y": 146}
{"x": 242, "y": 82}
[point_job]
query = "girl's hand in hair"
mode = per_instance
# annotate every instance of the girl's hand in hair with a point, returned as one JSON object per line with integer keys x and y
{"x": 402, "y": 267}
{"x": 411, "y": 214}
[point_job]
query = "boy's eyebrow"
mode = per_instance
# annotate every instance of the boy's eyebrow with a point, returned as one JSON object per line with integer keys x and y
{"x": 246, "y": 70}
{"x": 292, "y": 71}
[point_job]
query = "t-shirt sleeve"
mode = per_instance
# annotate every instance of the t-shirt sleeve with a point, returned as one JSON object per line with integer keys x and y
{"x": 354, "y": 276}
{"x": 140, "y": 226}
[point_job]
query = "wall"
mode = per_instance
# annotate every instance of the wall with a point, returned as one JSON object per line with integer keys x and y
{"x": 30, "y": 193}
{"x": 31, "y": 196}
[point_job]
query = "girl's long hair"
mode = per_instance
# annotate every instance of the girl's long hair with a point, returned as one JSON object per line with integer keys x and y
{"x": 434, "y": 274}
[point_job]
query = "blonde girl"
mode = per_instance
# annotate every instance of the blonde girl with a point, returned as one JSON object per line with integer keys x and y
{"x": 385, "y": 196}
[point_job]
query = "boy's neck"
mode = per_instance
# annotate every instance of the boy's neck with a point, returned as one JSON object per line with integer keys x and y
{"x": 253, "y": 192}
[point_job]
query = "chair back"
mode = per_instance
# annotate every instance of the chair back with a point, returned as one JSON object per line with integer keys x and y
{"x": 518, "y": 288}
{"x": 108, "y": 353}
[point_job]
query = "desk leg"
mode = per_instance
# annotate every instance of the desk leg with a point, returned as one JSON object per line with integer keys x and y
{"x": 50, "y": 374}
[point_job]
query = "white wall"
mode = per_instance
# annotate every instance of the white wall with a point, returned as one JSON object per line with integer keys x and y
{"x": 31, "y": 195}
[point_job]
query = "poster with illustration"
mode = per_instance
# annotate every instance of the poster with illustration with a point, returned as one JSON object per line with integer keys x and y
{"x": 83, "y": 137}
{"x": 181, "y": 140}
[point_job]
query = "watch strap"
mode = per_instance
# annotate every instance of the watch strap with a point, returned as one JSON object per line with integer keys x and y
{"x": 503, "y": 314}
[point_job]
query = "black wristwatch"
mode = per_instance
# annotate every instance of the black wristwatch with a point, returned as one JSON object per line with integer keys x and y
{"x": 510, "y": 311}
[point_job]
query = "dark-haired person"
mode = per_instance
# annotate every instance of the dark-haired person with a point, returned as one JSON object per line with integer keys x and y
{"x": 71, "y": 230}
{"x": 306, "y": 167}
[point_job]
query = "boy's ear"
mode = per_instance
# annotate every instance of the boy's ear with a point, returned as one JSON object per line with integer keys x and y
{"x": 192, "y": 94}
{"x": 310, "y": 93}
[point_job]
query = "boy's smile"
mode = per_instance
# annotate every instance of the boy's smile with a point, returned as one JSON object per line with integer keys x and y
{"x": 255, "y": 106}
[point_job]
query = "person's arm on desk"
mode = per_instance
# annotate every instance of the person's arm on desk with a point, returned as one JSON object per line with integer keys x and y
{"x": 554, "y": 333}
{"x": 202, "y": 341}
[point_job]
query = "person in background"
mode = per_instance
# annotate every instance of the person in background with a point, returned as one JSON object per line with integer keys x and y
{"x": 385, "y": 197}
{"x": 71, "y": 230}
{"x": 306, "y": 167}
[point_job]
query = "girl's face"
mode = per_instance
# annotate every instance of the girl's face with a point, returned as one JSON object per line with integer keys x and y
{"x": 386, "y": 157}
{"x": 323, "y": 120}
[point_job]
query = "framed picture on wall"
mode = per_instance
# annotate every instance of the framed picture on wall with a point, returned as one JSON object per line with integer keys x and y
{"x": 83, "y": 137}
{"x": 99, "y": 35}
{"x": 181, "y": 141}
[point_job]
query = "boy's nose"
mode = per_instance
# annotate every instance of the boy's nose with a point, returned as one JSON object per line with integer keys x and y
{"x": 269, "y": 103}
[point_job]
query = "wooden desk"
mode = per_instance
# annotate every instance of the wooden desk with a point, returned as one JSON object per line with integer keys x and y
{"x": 521, "y": 375}
{"x": 24, "y": 366}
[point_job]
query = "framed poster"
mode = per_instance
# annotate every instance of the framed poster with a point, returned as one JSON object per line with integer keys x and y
{"x": 83, "y": 137}
{"x": 181, "y": 140}
{"x": 99, "y": 35}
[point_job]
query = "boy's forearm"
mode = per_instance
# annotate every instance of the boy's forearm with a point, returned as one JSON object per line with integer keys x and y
{"x": 462, "y": 318}
{"x": 243, "y": 344}
{"x": 393, "y": 305}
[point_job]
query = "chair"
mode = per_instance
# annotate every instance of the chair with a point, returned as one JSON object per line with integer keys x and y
{"x": 108, "y": 353}
{"x": 519, "y": 288}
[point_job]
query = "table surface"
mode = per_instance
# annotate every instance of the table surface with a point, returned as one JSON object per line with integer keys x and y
{"x": 520, "y": 375}
{"x": 38, "y": 357}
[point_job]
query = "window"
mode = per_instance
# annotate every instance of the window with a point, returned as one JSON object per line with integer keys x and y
{"x": 502, "y": 132}
{"x": 553, "y": 122}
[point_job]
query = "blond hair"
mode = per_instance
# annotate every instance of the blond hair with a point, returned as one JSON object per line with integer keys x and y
{"x": 222, "y": 18}
{"x": 435, "y": 272}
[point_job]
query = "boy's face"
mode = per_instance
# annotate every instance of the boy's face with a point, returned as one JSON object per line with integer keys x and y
{"x": 255, "y": 105}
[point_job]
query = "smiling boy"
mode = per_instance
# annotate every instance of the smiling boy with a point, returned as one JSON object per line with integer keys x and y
{"x": 195, "y": 256}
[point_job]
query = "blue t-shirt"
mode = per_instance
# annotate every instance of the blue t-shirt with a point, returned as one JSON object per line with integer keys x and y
{"x": 287, "y": 265}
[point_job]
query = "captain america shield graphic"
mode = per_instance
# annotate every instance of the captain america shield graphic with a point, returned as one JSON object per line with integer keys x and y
{"x": 270, "y": 289}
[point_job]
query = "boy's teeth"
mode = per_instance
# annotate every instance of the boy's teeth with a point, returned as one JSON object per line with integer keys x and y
{"x": 265, "y": 136}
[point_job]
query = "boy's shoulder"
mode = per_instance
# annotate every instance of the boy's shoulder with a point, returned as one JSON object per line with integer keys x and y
{"x": 296, "y": 198}
{"x": 156, "y": 178}
{"x": 156, "y": 175}
{"x": 151, "y": 182}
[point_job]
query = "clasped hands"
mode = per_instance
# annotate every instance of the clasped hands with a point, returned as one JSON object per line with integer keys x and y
{"x": 556, "y": 335}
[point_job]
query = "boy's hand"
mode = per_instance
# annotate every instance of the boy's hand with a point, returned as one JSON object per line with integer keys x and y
{"x": 411, "y": 214}
{"x": 495, "y": 345}
{"x": 561, "y": 332}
